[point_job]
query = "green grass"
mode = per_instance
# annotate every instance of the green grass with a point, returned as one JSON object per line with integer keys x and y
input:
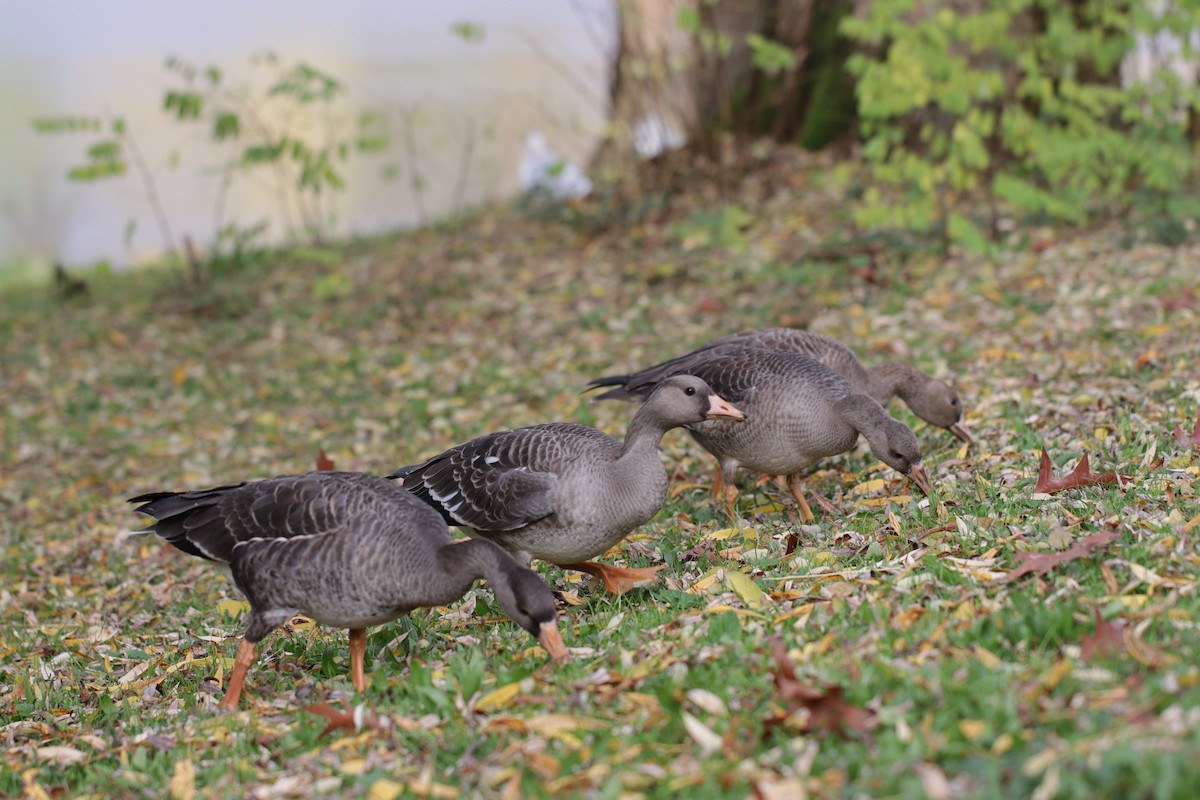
{"x": 116, "y": 650}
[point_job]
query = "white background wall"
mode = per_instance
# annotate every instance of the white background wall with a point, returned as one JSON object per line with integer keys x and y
{"x": 541, "y": 65}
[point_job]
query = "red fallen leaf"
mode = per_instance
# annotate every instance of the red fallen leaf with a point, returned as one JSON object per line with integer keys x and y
{"x": 827, "y": 708}
{"x": 1176, "y": 302}
{"x": 1184, "y": 440}
{"x": 1080, "y": 476}
{"x": 353, "y": 720}
{"x": 1108, "y": 640}
{"x": 324, "y": 462}
{"x": 1040, "y": 563}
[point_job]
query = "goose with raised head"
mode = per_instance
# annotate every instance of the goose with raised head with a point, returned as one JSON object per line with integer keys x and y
{"x": 346, "y": 549}
{"x": 563, "y": 492}
{"x": 799, "y": 411}
{"x": 929, "y": 398}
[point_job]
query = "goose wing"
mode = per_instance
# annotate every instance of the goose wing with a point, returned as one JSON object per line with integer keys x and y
{"x": 501, "y": 481}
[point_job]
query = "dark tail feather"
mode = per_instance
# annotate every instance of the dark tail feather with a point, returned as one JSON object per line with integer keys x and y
{"x": 189, "y": 521}
{"x": 623, "y": 391}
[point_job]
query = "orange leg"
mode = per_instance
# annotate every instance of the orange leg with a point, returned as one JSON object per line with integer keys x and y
{"x": 358, "y": 652}
{"x": 245, "y": 657}
{"x": 617, "y": 580}
{"x": 795, "y": 482}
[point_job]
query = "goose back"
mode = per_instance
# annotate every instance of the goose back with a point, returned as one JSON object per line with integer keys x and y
{"x": 929, "y": 398}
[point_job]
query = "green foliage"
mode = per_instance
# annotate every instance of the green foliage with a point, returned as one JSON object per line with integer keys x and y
{"x": 468, "y": 31}
{"x": 1018, "y": 102}
{"x": 768, "y": 56}
{"x": 304, "y": 167}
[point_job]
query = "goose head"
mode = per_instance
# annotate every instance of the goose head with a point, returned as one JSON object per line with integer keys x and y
{"x": 529, "y": 602}
{"x": 896, "y": 445}
{"x": 935, "y": 402}
{"x": 681, "y": 399}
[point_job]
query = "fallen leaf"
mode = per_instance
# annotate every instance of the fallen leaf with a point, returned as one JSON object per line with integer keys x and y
{"x": 1186, "y": 441}
{"x": 353, "y": 720}
{"x": 1039, "y": 563}
{"x": 708, "y": 739}
{"x": 746, "y": 589}
{"x": 1080, "y": 476}
{"x": 183, "y": 781}
{"x": 827, "y": 708}
{"x": 498, "y": 699}
{"x": 60, "y": 755}
{"x": 1108, "y": 640}
{"x": 933, "y": 781}
{"x": 324, "y": 462}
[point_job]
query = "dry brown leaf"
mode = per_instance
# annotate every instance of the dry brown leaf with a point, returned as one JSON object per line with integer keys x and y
{"x": 352, "y": 720}
{"x": 1108, "y": 640}
{"x": 827, "y": 708}
{"x": 1080, "y": 476}
{"x": 1040, "y": 563}
{"x": 1186, "y": 441}
{"x": 324, "y": 462}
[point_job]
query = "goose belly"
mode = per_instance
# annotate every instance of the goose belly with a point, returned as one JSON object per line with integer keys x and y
{"x": 775, "y": 447}
{"x": 589, "y": 520}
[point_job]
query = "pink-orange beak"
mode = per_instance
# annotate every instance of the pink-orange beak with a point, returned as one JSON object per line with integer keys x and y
{"x": 720, "y": 408}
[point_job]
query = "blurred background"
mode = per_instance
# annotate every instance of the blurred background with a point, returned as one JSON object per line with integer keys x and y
{"x": 433, "y": 100}
{"x": 134, "y": 130}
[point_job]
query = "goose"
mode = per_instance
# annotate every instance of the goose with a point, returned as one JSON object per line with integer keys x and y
{"x": 798, "y": 412}
{"x": 346, "y": 549}
{"x": 929, "y": 398}
{"x": 563, "y": 492}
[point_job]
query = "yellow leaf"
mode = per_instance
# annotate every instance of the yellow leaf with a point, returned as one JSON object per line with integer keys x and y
{"x": 905, "y": 619}
{"x": 766, "y": 508}
{"x": 987, "y": 657}
{"x": 724, "y": 533}
{"x": 1003, "y": 744}
{"x": 500, "y": 698}
{"x": 680, "y": 488}
{"x": 232, "y": 608}
{"x": 179, "y": 375}
{"x": 183, "y": 781}
{"x": 1056, "y": 673}
{"x": 721, "y": 608}
{"x": 383, "y": 789}
{"x": 746, "y": 588}
{"x": 354, "y": 766}
{"x": 867, "y": 487}
{"x": 972, "y": 729}
{"x": 301, "y": 623}
{"x": 879, "y": 502}
{"x": 962, "y": 451}
{"x": 1192, "y": 523}
{"x": 556, "y": 724}
{"x": 893, "y": 520}
{"x": 703, "y": 582}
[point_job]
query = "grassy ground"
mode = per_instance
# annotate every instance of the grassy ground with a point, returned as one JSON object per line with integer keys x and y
{"x": 1078, "y": 679}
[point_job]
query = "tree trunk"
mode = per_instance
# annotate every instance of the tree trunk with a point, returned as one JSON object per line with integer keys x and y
{"x": 686, "y": 72}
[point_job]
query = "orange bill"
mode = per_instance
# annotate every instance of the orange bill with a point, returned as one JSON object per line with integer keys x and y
{"x": 719, "y": 408}
{"x": 552, "y": 642}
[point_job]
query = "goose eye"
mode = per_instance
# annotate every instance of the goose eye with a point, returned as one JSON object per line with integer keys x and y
{"x": 689, "y": 391}
{"x": 953, "y": 401}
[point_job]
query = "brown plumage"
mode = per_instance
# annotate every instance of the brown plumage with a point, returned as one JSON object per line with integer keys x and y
{"x": 346, "y": 549}
{"x": 563, "y": 492}
{"x": 929, "y": 398}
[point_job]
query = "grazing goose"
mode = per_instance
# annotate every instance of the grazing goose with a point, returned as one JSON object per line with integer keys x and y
{"x": 563, "y": 492}
{"x": 798, "y": 411}
{"x": 347, "y": 549}
{"x": 930, "y": 399}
